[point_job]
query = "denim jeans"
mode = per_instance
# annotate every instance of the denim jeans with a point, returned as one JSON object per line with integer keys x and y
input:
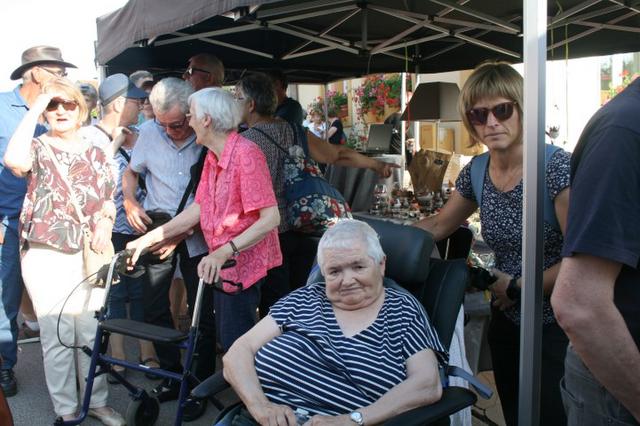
{"x": 586, "y": 401}
{"x": 10, "y": 292}
{"x": 127, "y": 290}
{"x": 235, "y": 314}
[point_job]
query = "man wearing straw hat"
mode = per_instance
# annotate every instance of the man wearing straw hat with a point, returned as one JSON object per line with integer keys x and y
{"x": 39, "y": 65}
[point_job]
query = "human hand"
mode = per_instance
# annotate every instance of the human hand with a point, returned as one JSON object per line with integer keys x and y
{"x": 384, "y": 169}
{"x": 101, "y": 235}
{"x": 499, "y": 290}
{"x": 41, "y": 102}
{"x": 209, "y": 266}
{"x": 270, "y": 414}
{"x": 137, "y": 246}
{"x": 119, "y": 135}
{"x": 329, "y": 420}
{"x": 136, "y": 215}
{"x": 165, "y": 247}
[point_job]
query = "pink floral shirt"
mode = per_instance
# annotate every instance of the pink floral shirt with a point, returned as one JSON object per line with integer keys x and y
{"x": 231, "y": 192}
{"x": 48, "y": 216}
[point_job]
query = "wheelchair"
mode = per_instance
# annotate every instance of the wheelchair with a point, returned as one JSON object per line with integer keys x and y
{"x": 143, "y": 409}
{"x": 439, "y": 285}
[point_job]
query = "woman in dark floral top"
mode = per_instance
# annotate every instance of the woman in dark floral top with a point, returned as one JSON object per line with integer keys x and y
{"x": 491, "y": 107}
{"x": 51, "y": 238}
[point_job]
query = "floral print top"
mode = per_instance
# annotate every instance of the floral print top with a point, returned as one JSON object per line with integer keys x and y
{"x": 501, "y": 220}
{"x": 48, "y": 216}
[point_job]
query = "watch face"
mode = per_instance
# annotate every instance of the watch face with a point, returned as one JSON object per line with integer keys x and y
{"x": 356, "y": 417}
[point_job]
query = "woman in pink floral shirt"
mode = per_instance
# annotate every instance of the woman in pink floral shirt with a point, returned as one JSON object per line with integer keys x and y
{"x": 52, "y": 239}
{"x": 236, "y": 208}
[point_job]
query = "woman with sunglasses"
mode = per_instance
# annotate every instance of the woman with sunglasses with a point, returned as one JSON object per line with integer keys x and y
{"x": 490, "y": 104}
{"x": 52, "y": 239}
{"x": 237, "y": 210}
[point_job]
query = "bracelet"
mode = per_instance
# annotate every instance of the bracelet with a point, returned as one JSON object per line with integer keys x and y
{"x": 236, "y": 252}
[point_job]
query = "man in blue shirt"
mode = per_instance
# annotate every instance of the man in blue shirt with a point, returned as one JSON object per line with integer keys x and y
{"x": 39, "y": 65}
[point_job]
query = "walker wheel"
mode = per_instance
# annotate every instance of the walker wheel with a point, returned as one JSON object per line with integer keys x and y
{"x": 143, "y": 411}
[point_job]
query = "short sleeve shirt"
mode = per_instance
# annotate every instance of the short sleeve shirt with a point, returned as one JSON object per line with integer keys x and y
{"x": 231, "y": 193}
{"x": 282, "y": 133}
{"x": 290, "y": 110}
{"x": 336, "y": 139}
{"x": 13, "y": 108}
{"x": 501, "y": 220}
{"x": 313, "y": 366}
{"x": 604, "y": 209}
{"x": 48, "y": 215}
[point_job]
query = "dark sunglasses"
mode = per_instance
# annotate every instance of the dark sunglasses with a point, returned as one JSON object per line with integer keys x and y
{"x": 67, "y": 105}
{"x": 502, "y": 112}
{"x": 173, "y": 126}
{"x": 232, "y": 288}
{"x": 191, "y": 70}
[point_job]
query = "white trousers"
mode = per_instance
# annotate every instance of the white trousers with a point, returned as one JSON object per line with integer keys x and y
{"x": 50, "y": 276}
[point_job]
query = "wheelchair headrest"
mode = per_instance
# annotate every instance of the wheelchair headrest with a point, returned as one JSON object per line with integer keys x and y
{"x": 408, "y": 250}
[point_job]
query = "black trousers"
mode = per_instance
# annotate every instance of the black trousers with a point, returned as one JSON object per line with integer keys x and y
{"x": 504, "y": 341}
{"x": 298, "y": 254}
{"x": 157, "y": 282}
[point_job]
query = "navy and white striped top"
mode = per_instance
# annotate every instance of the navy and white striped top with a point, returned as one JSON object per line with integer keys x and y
{"x": 313, "y": 366}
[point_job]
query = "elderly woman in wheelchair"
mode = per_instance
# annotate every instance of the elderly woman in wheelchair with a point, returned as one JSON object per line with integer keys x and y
{"x": 345, "y": 351}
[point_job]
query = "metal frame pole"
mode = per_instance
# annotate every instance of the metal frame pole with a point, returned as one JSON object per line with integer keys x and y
{"x": 535, "y": 44}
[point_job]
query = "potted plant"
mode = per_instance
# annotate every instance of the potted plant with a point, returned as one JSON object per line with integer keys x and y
{"x": 340, "y": 101}
{"x": 627, "y": 79}
{"x": 392, "y": 93}
{"x": 370, "y": 97}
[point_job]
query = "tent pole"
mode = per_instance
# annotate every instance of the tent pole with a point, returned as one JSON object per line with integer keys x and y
{"x": 403, "y": 132}
{"x": 535, "y": 44}
{"x": 416, "y": 124}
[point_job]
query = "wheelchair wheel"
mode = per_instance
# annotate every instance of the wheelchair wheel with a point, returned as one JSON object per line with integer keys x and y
{"x": 143, "y": 412}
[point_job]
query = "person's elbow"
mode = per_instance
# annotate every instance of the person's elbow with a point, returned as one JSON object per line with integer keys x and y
{"x": 270, "y": 217}
{"x": 17, "y": 168}
{"x": 572, "y": 313}
{"x": 430, "y": 391}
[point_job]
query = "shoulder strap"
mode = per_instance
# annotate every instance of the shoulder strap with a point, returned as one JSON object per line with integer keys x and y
{"x": 272, "y": 140}
{"x": 549, "y": 206}
{"x": 63, "y": 176}
{"x": 478, "y": 170}
{"x": 193, "y": 180}
{"x": 97, "y": 126}
{"x": 141, "y": 183}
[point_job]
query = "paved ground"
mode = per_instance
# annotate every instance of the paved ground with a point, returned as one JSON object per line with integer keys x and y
{"x": 32, "y": 406}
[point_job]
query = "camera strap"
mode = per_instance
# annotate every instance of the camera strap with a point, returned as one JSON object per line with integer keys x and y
{"x": 195, "y": 172}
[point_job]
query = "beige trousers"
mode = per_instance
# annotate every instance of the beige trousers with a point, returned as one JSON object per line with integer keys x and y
{"x": 50, "y": 276}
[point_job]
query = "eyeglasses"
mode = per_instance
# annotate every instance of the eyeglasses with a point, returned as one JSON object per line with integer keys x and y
{"x": 231, "y": 288}
{"x": 138, "y": 102}
{"x": 479, "y": 116}
{"x": 173, "y": 126}
{"x": 67, "y": 105}
{"x": 191, "y": 70}
{"x": 57, "y": 73}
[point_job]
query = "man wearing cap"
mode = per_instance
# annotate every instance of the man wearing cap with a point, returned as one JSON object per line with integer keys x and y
{"x": 204, "y": 70}
{"x": 39, "y": 65}
{"x": 121, "y": 101}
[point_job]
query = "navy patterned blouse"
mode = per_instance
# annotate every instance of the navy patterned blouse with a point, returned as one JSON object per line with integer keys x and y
{"x": 501, "y": 220}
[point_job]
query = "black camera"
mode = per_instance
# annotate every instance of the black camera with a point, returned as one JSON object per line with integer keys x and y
{"x": 480, "y": 278}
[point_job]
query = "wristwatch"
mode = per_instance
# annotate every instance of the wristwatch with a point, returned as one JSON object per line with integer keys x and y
{"x": 235, "y": 250}
{"x": 513, "y": 291}
{"x": 356, "y": 417}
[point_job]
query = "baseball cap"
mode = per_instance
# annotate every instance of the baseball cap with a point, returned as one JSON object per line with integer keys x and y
{"x": 119, "y": 85}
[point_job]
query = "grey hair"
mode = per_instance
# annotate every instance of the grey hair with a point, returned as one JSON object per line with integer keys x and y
{"x": 220, "y": 105}
{"x": 170, "y": 92}
{"x": 347, "y": 231}
{"x": 140, "y": 76}
{"x": 212, "y": 64}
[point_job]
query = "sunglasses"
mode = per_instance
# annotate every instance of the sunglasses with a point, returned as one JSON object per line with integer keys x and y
{"x": 191, "y": 70}
{"x": 479, "y": 116}
{"x": 57, "y": 73}
{"x": 173, "y": 126}
{"x": 67, "y": 105}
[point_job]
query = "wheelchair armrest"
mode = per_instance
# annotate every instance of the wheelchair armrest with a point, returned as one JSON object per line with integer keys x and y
{"x": 485, "y": 391}
{"x": 211, "y": 386}
{"x": 453, "y": 400}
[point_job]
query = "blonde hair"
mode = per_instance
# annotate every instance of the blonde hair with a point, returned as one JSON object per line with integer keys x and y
{"x": 493, "y": 79}
{"x": 71, "y": 91}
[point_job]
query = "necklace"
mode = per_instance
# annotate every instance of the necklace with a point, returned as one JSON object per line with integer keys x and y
{"x": 508, "y": 181}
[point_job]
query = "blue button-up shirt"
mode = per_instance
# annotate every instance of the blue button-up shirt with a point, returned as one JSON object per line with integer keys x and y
{"x": 13, "y": 108}
{"x": 166, "y": 168}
